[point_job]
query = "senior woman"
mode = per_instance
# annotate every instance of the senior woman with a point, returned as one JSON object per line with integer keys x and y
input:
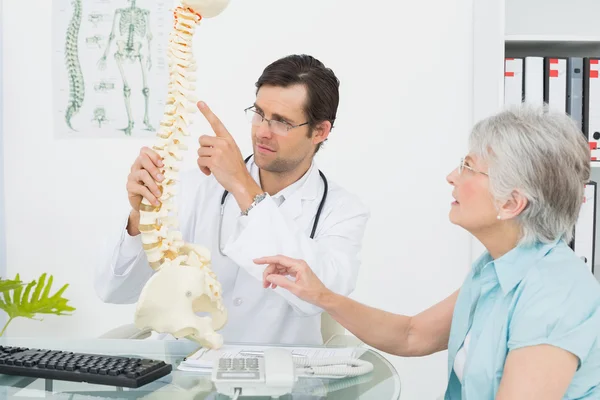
{"x": 525, "y": 324}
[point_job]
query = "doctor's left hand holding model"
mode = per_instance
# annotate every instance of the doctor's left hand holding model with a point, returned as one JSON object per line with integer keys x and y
{"x": 268, "y": 205}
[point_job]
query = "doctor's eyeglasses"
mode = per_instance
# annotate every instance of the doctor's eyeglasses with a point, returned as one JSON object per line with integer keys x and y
{"x": 463, "y": 165}
{"x": 277, "y": 127}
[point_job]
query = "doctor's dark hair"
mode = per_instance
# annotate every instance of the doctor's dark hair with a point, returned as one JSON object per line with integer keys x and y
{"x": 322, "y": 86}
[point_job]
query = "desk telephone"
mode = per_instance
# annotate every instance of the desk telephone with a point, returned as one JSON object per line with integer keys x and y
{"x": 277, "y": 371}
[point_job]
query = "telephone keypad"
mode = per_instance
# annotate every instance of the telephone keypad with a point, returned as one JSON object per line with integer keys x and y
{"x": 240, "y": 368}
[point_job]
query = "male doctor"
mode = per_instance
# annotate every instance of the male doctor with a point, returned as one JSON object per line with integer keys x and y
{"x": 270, "y": 208}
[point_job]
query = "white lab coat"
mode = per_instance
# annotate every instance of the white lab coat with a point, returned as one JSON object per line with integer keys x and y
{"x": 255, "y": 314}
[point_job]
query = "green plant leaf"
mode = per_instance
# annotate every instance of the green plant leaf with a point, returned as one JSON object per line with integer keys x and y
{"x": 27, "y": 305}
{"x": 9, "y": 284}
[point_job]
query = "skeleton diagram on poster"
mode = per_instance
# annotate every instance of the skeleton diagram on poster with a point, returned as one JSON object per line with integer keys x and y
{"x": 109, "y": 67}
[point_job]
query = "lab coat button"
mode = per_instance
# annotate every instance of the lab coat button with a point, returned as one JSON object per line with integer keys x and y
{"x": 237, "y": 302}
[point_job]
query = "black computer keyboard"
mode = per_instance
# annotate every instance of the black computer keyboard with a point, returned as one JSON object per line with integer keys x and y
{"x": 80, "y": 367}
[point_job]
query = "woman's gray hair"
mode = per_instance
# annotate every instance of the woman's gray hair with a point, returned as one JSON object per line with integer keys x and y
{"x": 544, "y": 155}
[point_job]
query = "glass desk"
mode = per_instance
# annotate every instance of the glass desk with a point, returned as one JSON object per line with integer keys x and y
{"x": 382, "y": 383}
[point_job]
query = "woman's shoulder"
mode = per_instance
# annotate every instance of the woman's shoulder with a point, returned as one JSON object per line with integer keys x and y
{"x": 557, "y": 303}
{"x": 559, "y": 281}
{"x": 562, "y": 269}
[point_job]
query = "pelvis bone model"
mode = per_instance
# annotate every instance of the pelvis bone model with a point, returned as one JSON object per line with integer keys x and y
{"x": 183, "y": 284}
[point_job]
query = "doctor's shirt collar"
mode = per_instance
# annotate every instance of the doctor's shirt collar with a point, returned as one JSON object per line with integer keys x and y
{"x": 288, "y": 191}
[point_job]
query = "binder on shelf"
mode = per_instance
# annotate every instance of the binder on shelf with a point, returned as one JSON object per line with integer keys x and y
{"x": 584, "y": 239}
{"x": 513, "y": 81}
{"x": 555, "y": 83}
{"x": 533, "y": 73}
{"x": 591, "y": 105}
{"x": 575, "y": 89}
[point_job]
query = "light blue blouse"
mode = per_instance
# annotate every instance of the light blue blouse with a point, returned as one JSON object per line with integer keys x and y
{"x": 538, "y": 294}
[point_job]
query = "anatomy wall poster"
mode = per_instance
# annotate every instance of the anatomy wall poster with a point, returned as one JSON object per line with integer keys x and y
{"x": 110, "y": 71}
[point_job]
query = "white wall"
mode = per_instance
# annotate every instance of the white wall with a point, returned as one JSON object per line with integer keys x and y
{"x": 406, "y": 109}
{"x": 3, "y": 318}
{"x": 488, "y": 68}
{"x": 2, "y": 208}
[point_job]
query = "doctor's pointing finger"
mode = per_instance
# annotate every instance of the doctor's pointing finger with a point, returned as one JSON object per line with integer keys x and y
{"x": 220, "y": 156}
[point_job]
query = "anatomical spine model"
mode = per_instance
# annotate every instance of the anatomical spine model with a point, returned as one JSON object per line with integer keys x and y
{"x": 184, "y": 283}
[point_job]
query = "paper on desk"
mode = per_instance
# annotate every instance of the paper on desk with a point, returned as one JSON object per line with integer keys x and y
{"x": 204, "y": 358}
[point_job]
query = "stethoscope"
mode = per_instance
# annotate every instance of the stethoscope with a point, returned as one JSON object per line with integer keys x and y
{"x": 317, "y": 216}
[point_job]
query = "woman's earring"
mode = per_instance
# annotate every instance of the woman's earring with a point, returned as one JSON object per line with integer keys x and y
{"x": 499, "y": 217}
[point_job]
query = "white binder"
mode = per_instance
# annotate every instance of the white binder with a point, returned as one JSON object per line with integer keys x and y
{"x": 513, "y": 81}
{"x": 584, "y": 240}
{"x": 555, "y": 83}
{"x": 534, "y": 80}
{"x": 591, "y": 105}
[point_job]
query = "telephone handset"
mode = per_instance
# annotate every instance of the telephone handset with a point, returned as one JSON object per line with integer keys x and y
{"x": 277, "y": 371}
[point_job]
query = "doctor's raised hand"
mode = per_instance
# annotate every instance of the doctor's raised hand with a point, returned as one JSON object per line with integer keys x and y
{"x": 220, "y": 156}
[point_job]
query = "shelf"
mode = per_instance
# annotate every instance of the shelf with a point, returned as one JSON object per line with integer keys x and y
{"x": 550, "y": 45}
{"x": 551, "y": 39}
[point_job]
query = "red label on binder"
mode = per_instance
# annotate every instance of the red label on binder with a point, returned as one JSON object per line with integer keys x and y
{"x": 509, "y": 73}
{"x": 554, "y": 61}
{"x": 593, "y": 145}
{"x": 594, "y": 61}
{"x": 593, "y": 74}
{"x": 553, "y": 73}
